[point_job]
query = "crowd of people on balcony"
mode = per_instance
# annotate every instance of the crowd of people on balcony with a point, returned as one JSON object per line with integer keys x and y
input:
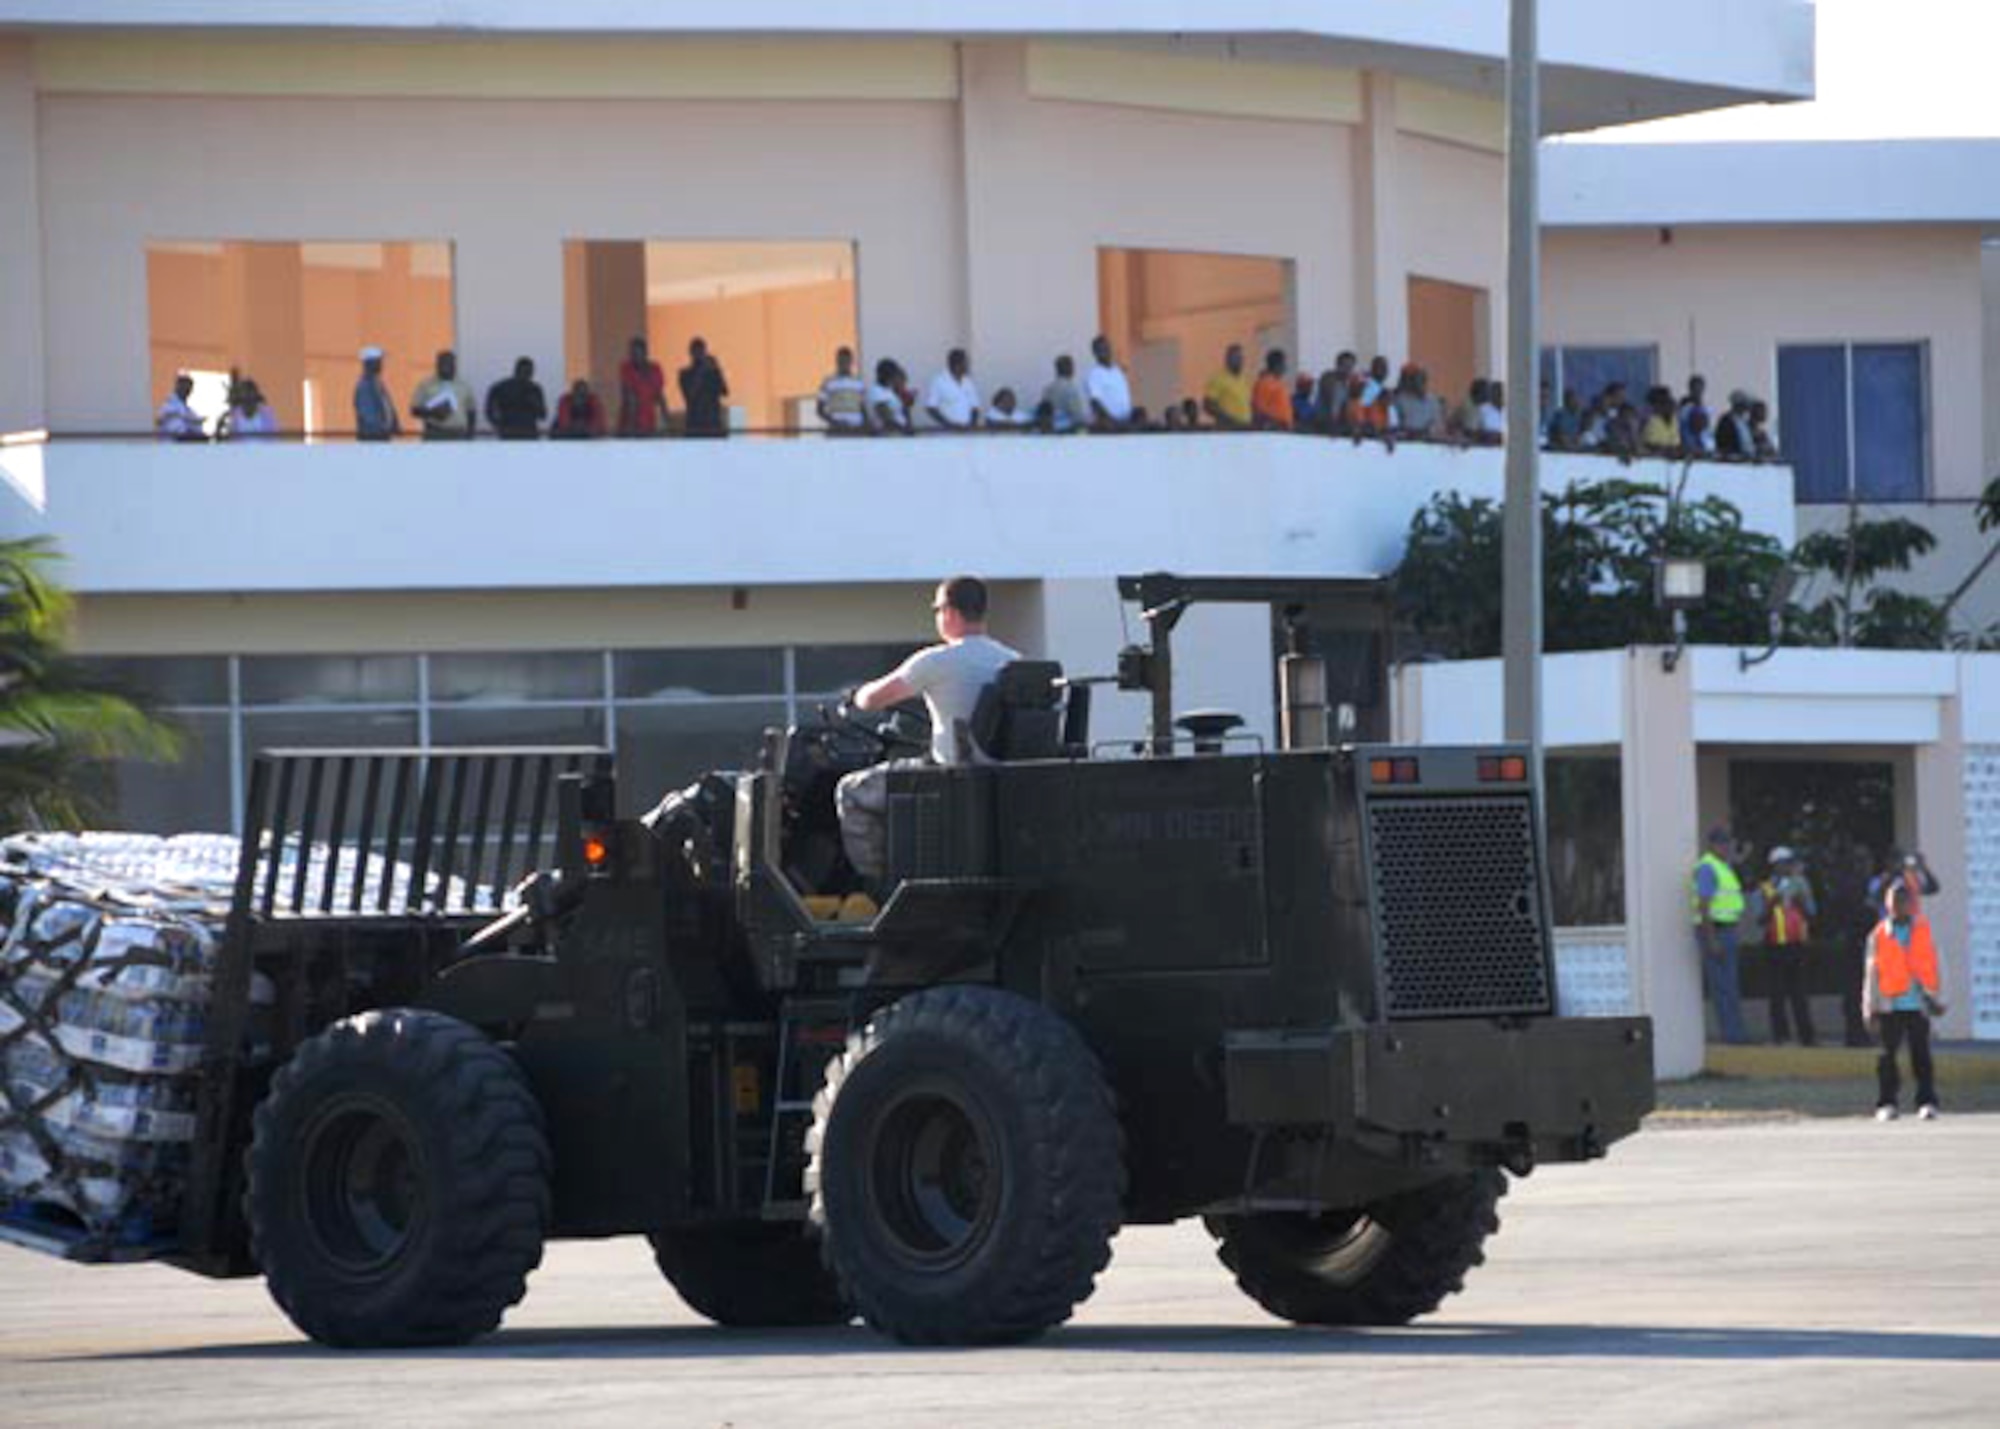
{"x": 1346, "y": 400}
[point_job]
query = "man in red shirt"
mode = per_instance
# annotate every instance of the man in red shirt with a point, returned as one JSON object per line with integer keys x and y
{"x": 579, "y": 415}
{"x": 642, "y": 394}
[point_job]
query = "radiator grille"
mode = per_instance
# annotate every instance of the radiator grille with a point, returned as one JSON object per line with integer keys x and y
{"x": 1457, "y": 907}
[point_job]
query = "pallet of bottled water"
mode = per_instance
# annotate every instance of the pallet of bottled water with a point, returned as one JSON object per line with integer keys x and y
{"x": 108, "y": 944}
{"x": 107, "y": 949}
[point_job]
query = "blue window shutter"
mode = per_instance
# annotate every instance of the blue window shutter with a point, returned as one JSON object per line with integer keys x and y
{"x": 1889, "y": 422}
{"x": 1591, "y": 369}
{"x": 1812, "y": 419}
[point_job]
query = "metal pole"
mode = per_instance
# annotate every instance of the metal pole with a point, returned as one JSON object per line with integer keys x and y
{"x": 1521, "y": 528}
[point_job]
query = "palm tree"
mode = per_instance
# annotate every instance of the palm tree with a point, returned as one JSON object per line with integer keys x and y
{"x": 57, "y": 720}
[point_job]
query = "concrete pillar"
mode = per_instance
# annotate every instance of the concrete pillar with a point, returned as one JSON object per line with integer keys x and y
{"x": 613, "y": 313}
{"x": 1381, "y": 302}
{"x": 510, "y": 304}
{"x": 1939, "y": 786}
{"x": 267, "y": 338}
{"x": 1662, "y": 839}
{"x": 23, "y": 366}
{"x": 999, "y": 264}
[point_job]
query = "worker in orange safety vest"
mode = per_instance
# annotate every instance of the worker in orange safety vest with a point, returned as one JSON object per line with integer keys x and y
{"x": 1899, "y": 995}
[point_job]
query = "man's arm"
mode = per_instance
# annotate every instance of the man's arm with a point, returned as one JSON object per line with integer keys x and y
{"x": 890, "y": 690}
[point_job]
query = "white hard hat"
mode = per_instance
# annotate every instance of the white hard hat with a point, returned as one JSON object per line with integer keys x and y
{"x": 371, "y": 354}
{"x": 1781, "y": 854}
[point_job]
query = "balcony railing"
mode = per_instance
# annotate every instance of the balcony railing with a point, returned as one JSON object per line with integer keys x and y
{"x": 141, "y": 515}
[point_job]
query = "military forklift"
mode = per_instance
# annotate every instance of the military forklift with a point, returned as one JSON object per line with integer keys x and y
{"x": 1305, "y": 992}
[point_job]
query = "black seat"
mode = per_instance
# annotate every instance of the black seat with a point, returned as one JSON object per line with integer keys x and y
{"x": 1020, "y": 715}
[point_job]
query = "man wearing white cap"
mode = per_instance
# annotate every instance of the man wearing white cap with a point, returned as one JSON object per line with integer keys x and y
{"x": 1784, "y": 907}
{"x": 374, "y": 409}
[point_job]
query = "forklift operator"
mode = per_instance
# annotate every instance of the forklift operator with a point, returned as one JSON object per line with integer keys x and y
{"x": 950, "y": 676}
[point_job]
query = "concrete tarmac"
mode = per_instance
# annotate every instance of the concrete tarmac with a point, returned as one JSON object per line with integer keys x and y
{"x": 1826, "y": 1272}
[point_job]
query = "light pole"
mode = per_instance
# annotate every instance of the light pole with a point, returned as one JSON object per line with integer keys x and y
{"x": 1521, "y": 519}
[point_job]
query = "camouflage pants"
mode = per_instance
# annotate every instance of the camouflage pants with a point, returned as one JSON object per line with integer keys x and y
{"x": 862, "y": 801}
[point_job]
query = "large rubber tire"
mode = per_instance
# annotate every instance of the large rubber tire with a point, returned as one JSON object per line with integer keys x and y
{"x": 1385, "y": 1265}
{"x": 752, "y": 1274}
{"x": 398, "y": 1182}
{"x": 966, "y": 1168}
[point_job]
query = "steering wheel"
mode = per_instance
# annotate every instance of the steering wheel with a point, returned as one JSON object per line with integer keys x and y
{"x": 885, "y": 736}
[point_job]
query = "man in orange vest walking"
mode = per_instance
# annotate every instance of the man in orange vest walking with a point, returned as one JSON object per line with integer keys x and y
{"x": 1899, "y": 994}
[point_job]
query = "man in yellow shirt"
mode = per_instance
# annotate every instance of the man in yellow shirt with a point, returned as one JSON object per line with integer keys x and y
{"x": 1226, "y": 399}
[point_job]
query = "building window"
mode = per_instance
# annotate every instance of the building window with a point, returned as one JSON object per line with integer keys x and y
{"x": 771, "y": 313}
{"x": 669, "y": 715}
{"x": 1171, "y": 315}
{"x": 294, "y": 317}
{"x": 1853, "y": 420}
{"x": 1586, "y": 840}
{"x": 1589, "y": 370}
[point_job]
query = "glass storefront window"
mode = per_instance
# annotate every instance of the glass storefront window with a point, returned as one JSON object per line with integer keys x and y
{"x": 369, "y": 729}
{"x": 829, "y": 669}
{"x": 694, "y": 674}
{"x": 574, "y": 728}
{"x": 663, "y": 747}
{"x": 191, "y": 797}
{"x": 1586, "y": 841}
{"x": 167, "y": 679}
{"x": 329, "y": 679}
{"x": 517, "y": 678}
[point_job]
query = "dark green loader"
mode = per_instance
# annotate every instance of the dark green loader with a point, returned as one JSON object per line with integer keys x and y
{"x": 1306, "y": 994}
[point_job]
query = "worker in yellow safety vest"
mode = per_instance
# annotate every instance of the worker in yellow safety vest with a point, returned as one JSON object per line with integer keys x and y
{"x": 1719, "y": 904}
{"x": 1899, "y": 996}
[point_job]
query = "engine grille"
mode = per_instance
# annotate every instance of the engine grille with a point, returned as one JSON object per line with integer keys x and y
{"x": 1457, "y": 907}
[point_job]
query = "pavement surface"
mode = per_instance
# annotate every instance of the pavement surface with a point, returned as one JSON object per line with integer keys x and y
{"x": 1812, "y": 1272}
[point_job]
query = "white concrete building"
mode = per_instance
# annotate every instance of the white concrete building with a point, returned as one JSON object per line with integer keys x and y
{"x": 1847, "y": 281}
{"x": 258, "y": 185}
{"x": 253, "y": 186}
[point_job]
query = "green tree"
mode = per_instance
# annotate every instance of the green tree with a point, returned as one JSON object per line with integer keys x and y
{"x": 1599, "y": 544}
{"x": 57, "y": 721}
{"x": 1859, "y": 611}
{"x": 1600, "y": 541}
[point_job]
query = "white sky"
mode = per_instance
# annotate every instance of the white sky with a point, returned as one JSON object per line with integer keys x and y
{"x": 1887, "y": 69}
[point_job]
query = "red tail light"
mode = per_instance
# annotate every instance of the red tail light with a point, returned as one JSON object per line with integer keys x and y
{"x": 1393, "y": 771}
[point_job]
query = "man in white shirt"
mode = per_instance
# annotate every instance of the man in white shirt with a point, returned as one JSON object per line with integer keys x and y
{"x": 1493, "y": 414}
{"x": 1109, "y": 390}
{"x": 177, "y": 421}
{"x": 952, "y": 400}
{"x": 950, "y": 676}
{"x": 885, "y": 410}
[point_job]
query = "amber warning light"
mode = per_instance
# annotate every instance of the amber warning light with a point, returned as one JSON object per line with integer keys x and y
{"x": 1393, "y": 771}
{"x": 595, "y": 850}
{"x": 1503, "y": 769}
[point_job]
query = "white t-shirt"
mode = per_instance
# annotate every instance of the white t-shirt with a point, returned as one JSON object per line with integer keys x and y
{"x": 955, "y": 398}
{"x": 950, "y": 677}
{"x": 885, "y": 398}
{"x": 1492, "y": 420}
{"x": 177, "y": 419}
{"x": 260, "y": 423}
{"x": 1109, "y": 389}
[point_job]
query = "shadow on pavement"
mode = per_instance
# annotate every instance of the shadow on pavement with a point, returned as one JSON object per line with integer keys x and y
{"x": 1446, "y": 1341}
